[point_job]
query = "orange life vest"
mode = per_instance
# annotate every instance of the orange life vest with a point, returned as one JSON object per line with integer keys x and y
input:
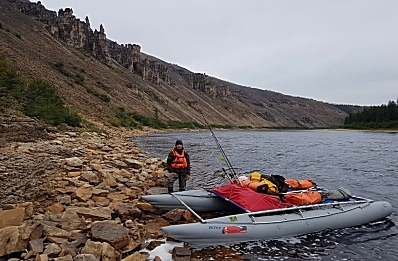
{"x": 179, "y": 161}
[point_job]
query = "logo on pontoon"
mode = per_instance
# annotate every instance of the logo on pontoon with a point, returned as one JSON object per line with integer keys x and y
{"x": 234, "y": 230}
{"x": 214, "y": 227}
{"x": 233, "y": 218}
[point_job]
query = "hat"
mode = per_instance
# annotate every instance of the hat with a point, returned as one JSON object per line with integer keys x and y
{"x": 178, "y": 142}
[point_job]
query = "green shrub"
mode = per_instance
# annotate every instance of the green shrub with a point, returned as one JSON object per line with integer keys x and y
{"x": 124, "y": 119}
{"x": 59, "y": 66}
{"x": 198, "y": 125}
{"x": 79, "y": 79}
{"x": 184, "y": 125}
{"x": 38, "y": 98}
{"x": 221, "y": 126}
{"x": 42, "y": 101}
{"x": 148, "y": 121}
{"x": 118, "y": 71}
{"x": 135, "y": 120}
{"x": 12, "y": 85}
{"x": 245, "y": 127}
{"x": 102, "y": 97}
{"x": 9, "y": 77}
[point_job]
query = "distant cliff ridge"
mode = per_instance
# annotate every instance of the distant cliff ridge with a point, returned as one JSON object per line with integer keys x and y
{"x": 78, "y": 34}
{"x": 90, "y": 66}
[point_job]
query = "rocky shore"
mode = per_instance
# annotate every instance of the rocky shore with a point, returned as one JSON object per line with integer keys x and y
{"x": 76, "y": 195}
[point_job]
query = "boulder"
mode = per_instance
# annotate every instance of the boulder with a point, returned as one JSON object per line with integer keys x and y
{"x": 126, "y": 211}
{"x": 135, "y": 257}
{"x": 15, "y": 238}
{"x": 64, "y": 258}
{"x": 181, "y": 254}
{"x": 52, "y": 250}
{"x": 74, "y": 162}
{"x": 93, "y": 248}
{"x": 42, "y": 257}
{"x": 11, "y": 217}
{"x": 37, "y": 245}
{"x": 95, "y": 214}
{"x": 178, "y": 215}
{"x": 109, "y": 253}
{"x": 83, "y": 193}
{"x": 132, "y": 163}
{"x": 56, "y": 208}
{"x": 91, "y": 177}
{"x": 107, "y": 231}
{"x": 85, "y": 257}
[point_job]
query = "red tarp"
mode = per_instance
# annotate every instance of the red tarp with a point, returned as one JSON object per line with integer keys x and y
{"x": 249, "y": 199}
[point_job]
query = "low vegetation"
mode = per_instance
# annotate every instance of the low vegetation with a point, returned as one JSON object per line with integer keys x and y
{"x": 40, "y": 99}
{"x": 59, "y": 66}
{"x": 374, "y": 117}
{"x": 35, "y": 98}
{"x": 102, "y": 97}
{"x": 185, "y": 125}
{"x": 135, "y": 120}
{"x": 79, "y": 78}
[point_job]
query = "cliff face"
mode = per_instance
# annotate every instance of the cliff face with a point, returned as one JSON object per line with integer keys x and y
{"x": 136, "y": 81}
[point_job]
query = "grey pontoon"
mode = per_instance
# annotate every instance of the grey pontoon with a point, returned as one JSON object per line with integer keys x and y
{"x": 277, "y": 223}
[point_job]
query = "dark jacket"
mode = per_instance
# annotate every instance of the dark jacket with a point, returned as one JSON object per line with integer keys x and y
{"x": 170, "y": 159}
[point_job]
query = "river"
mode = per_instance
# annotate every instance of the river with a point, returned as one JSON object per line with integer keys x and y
{"x": 365, "y": 163}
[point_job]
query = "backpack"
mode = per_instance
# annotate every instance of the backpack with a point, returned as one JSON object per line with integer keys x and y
{"x": 260, "y": 184}
{"x": 279, "y": 181}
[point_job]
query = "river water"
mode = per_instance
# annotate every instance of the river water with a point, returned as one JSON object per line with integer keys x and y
{"x": 365, "y": 163}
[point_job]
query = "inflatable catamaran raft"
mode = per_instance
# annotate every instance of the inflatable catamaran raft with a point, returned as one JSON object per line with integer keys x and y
{"x": 260, "y": 216}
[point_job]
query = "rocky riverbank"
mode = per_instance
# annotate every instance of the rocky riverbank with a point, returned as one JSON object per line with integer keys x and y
{"x": 76, "y": 195}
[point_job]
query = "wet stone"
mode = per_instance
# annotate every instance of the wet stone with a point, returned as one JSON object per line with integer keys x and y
{"x": 154, "y": 244}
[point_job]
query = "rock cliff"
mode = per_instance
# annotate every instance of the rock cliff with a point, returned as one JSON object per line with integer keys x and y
{"x": 92, "y": 63}
{"x": 78, "y": 34}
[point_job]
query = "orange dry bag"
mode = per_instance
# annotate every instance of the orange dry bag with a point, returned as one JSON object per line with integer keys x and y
{"x": 303, "y": 198}
{"x": 300, "y": 184}
{"x": 264, "y": 186}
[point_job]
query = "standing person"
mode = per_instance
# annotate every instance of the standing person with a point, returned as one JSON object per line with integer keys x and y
{"x": 178, "y": 166}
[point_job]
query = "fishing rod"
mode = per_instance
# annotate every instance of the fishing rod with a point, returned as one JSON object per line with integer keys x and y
{"x": 233, "y": 177}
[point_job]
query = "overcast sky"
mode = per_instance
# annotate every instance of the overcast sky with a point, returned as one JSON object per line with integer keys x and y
{"x": 337, "y": 51}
